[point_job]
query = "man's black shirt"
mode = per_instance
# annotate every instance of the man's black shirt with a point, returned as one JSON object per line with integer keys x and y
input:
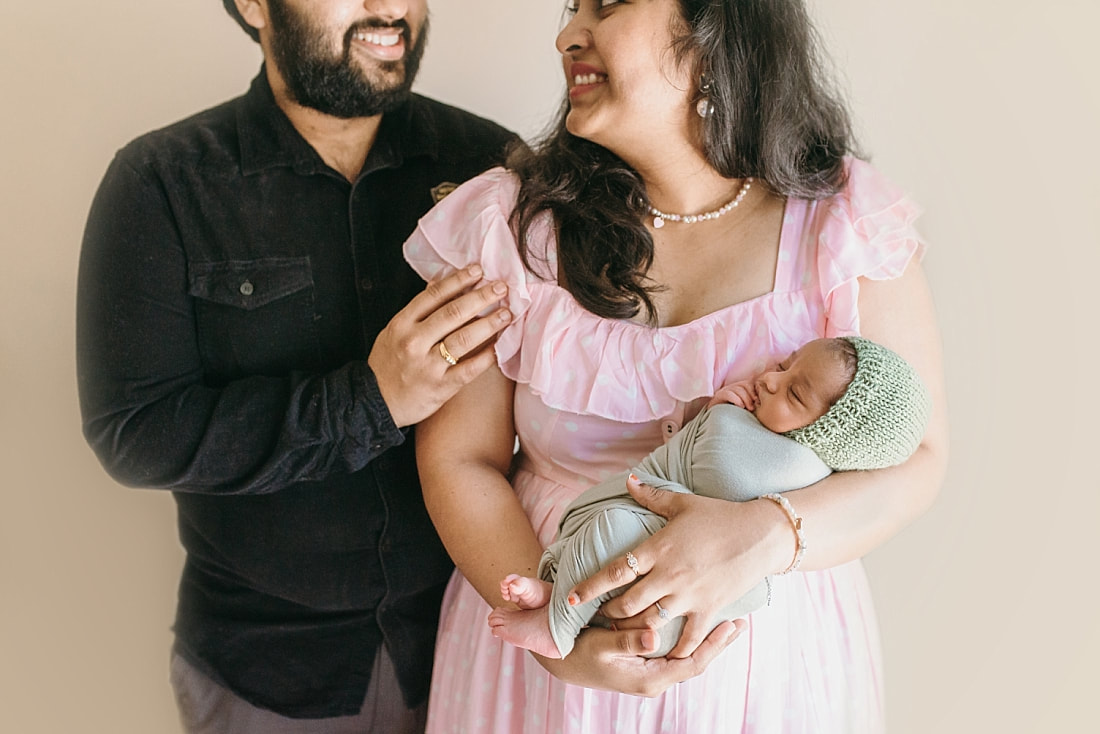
{"x": 231, "y": 286}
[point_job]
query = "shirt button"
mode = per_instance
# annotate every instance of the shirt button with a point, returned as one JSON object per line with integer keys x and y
{"x": 365, "y": 284}
{"x": 246, "y": 288}
{"x": 669, "y": 428}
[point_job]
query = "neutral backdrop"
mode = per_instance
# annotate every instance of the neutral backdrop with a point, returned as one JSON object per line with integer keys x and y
{"x": 987, "y": 111}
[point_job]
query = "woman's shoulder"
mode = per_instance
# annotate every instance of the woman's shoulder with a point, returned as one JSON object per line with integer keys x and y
{"x": 869, "y": 218}
{"x": 492, "y": 192}
{"x": 867, "y": 230}
{"x": 469, "y": 225}
{"x": 867, "y": 190}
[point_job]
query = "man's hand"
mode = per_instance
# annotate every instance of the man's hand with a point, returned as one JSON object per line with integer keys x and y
{"x": 413, "y": 373}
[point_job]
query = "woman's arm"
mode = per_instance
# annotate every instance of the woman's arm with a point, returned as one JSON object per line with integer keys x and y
{"x": 464, "y": 453}
{"x": 711, "y": 552}
{"x": 855, "y": 512}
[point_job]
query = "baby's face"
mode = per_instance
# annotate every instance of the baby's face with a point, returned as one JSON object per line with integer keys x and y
{"x": 800, "y": 390}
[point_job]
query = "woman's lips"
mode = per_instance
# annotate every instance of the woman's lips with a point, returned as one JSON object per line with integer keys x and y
{"x": 584, "y": 77}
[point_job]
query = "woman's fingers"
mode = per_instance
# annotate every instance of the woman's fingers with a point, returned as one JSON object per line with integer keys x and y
{"x": 712, "y": 645}
{"x": 650, "y": 618}
{"x": 696, "y": 625}
{"x": 632, "y": 566}
{"x": 611, "y": 660}
{"x": 662, "y": 502}
{"x": 640, "y": 600}
{"x": 693, "y": 635}
{"x": 619, "y": 572}
{"x": 662, "y": 673}
{"x": 637, "y": 641}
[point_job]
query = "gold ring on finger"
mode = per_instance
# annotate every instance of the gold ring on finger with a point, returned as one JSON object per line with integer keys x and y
{"x": 633, "y": 563}
{"x": 446, "y": 355}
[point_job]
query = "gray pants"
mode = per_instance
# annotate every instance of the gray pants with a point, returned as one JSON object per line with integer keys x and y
{"x": 209, "y": 708}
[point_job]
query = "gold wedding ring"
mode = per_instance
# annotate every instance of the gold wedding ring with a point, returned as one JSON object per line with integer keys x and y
{"x": 633, "y": 563}
{"x": 447, "y": 356}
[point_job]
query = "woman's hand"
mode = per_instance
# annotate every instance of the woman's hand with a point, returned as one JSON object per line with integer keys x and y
{"x": 611, "y": 660}
{"x": 710, "y": 554}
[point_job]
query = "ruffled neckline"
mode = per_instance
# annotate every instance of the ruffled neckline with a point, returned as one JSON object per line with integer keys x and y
{"x": 632, "y": 372}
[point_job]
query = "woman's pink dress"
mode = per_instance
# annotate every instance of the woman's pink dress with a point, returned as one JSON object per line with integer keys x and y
{"x": 593, "y": 396}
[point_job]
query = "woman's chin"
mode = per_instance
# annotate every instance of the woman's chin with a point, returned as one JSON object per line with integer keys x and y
{"x": 581, "y": 124}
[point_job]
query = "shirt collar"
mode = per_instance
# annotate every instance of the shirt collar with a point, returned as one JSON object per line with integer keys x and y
{"x": 269, "y": 140}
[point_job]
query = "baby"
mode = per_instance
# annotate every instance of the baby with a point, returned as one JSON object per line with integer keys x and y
{"x": 833, "y": 405}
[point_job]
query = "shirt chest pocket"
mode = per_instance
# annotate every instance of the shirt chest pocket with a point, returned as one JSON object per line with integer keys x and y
{"x": 255, "y": 316}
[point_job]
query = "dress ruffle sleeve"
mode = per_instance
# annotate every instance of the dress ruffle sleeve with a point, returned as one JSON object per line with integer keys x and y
{"x": 471, "y": 226}
{"x": 574, "y": 360}
{"x": 629, "y": 372}
{"x": 865, "y": 231}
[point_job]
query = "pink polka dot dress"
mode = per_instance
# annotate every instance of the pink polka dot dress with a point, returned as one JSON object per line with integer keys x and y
{"x": 593, "y": 396}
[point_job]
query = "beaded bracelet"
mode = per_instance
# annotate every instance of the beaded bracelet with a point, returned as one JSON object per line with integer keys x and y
{"x": 796, "y": 522}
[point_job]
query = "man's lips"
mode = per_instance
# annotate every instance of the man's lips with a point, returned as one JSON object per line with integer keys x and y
{"x": 383, "y": 43}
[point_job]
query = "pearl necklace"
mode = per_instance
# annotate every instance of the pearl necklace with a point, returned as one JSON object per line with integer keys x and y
{"x": 659, "y": 217}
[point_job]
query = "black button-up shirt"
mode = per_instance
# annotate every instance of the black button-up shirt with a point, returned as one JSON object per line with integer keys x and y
{"x": 231, "y": 286}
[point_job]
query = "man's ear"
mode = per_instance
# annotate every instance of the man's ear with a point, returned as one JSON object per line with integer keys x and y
{"x": 254, "y": 12}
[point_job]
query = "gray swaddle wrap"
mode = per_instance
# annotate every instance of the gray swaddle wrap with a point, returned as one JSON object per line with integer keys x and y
{"x": 723, "y": 453}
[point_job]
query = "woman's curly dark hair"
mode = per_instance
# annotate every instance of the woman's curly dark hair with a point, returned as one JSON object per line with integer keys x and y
{"x": 776, "y": 117}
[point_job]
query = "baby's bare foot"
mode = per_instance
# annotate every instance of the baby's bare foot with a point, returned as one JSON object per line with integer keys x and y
{"x": 525, "y": 592}
{"x": 528, "y": 628}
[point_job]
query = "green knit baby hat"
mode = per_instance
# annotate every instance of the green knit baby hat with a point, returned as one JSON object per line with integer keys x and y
{"x": 878, "y": 421}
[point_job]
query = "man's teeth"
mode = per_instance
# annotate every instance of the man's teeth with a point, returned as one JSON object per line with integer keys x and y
{"x": 379, "y": 39}
{"x": 581, "y": 79}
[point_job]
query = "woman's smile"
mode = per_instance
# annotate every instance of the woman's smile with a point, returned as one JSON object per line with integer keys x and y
{"x": 584, "y": 78}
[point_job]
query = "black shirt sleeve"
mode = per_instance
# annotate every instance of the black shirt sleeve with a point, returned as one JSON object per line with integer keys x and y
{"x": 150, "y": 412}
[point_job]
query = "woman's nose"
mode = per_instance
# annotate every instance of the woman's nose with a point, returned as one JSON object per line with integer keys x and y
{"x": 574, "y": 35}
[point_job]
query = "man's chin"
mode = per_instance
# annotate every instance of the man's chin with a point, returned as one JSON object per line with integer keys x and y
{"x": 386, "y": 81}
{"x": 349, "y": 108}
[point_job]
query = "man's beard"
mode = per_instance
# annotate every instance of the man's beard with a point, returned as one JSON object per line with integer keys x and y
{"x": 335, "y": 85}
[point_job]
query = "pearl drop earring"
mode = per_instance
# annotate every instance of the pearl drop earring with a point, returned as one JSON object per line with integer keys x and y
{"x": 704, "y": 107}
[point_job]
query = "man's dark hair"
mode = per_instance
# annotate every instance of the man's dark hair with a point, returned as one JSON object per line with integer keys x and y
{"x": 776, "y": 117}
{"x": 231, "y": 8}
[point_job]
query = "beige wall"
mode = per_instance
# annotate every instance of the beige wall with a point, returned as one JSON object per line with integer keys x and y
{"x": 986, "y": 110}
